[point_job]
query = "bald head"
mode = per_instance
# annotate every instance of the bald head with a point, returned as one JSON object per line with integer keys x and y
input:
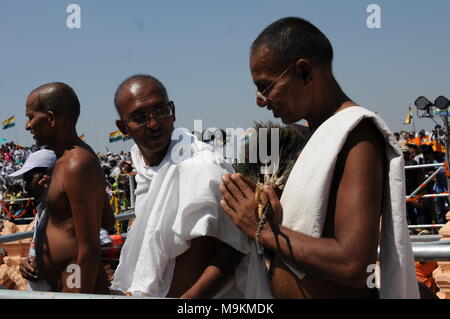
{"x": 131, "y": 84}
{"x": 59, "y": 98}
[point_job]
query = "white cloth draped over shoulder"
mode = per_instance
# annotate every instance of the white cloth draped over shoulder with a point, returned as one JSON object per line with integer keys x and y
{"x": 176, "y": 201}
{"x": 306, "y": 194}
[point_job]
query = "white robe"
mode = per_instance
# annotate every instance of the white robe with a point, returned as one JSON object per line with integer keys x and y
{"x": 176, "y": 201}
{"x": 305, "y": 198}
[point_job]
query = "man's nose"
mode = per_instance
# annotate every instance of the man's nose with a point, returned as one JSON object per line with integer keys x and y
{"x": 27, "y": 125}
{"x": 152, "y": 123}
{"x": 261, "y": 100}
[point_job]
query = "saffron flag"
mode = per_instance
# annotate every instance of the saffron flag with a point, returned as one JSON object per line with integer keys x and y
{"x": 9, "y": 122}
{"x": 115, "y": 136}
{"x": 409, "y": 117}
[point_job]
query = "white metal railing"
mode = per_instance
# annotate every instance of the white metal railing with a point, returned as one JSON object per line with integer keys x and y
{"x": 17, "y": 294}
{"x": 423, "y": 166}
{"x": 425, "y": 226}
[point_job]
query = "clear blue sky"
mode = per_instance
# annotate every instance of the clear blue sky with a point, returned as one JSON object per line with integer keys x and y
{"x": 199, "y": 50}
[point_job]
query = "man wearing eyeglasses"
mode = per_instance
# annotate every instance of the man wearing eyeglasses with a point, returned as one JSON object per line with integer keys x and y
{"x": 325, "y": 229}
{"x": 181, "y": 243}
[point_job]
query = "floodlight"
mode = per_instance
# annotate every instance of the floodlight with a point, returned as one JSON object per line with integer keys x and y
{"x": 442, "y": 103}
{"x": 422, "y": 103}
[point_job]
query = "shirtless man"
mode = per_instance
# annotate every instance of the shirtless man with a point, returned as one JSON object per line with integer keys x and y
{"x": 69, "y": 254}
{"x": 167, "y": 252}
{"x": 291, "y": 66}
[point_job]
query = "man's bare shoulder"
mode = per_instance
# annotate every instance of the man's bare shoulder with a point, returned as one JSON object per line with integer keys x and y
{"x": 79, "y": 160}
{"x": 367, "y": 134}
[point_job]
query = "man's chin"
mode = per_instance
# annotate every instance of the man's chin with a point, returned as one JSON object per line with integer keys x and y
{"x": 157, "y": 145}
{"x": 286, "y": 121}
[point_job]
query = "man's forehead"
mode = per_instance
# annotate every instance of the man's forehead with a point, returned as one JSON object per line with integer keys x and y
{"x": 139, "y": 90}
{"x": 262, "y": 58}
{"x": 32, "y": 100}
{"x": 263, "y": 64}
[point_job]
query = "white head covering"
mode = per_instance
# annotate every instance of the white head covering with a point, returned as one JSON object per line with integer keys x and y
{"x": 41, "y": 158}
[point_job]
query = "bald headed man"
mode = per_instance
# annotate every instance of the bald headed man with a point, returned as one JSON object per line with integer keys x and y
{"x": 69, "y": 256}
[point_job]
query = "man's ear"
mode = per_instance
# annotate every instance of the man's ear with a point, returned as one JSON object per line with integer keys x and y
{"x": 304, "y": 70}
{"x": 51, "y": 118}
{"x": 173, "y": 111}
{"x": 44, "y": 181}
{"x": 122, "y": 127}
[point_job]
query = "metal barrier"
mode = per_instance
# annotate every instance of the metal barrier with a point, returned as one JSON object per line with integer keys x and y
{"x": 15, "y": 236}
{"x": 425, "y": 226}
{"x": 16, "y": 294}
{"x": 424, "y": 238}
{"x": 18, "y": 200}
{"x": 427, "y": 243}
{"x": 29, "y": 234}
{"x": 132, "y": 195}
{"x": 431, "y": 252}
{"x": 422, "y": 186}
{"x": 432, "y": 195}
{"x": 423, "y": 166}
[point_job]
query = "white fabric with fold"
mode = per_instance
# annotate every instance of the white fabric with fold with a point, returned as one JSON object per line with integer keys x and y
{"x": 176, "y": 201}
{"x": 305, "y": 198}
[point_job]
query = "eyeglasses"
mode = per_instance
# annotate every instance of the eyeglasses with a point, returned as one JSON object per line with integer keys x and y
{"x": 160, "y": 112}
{"x": 262, "y": 95}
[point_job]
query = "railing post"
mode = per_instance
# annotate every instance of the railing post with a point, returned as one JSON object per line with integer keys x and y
{"x": 131, "y": 183}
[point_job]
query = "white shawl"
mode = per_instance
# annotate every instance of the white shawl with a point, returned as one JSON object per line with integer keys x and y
{"x": 305, "y": 198}
{"x": 176, "y": 201}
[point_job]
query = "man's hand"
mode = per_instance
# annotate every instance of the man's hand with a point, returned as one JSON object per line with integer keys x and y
{"x": 29, "y": 270}
{"x": 239, "y": 202}
{"x": 275, "y": 212}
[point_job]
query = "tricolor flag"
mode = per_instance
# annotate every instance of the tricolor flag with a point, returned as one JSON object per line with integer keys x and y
{"x": 9, "y": 122}
{"x": 115, "y": 136}
{"x": 409, "y": 117}
{"x": 126, "y": 138}
{"x": 82, "y": 137}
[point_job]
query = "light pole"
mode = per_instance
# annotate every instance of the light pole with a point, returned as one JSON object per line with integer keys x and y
{"x": 443, "y": 103}
{"x": 428, "y": 109}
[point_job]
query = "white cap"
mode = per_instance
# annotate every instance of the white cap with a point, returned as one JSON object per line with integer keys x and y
{"x": 41, "y": 158}
{"x": 104, "y": 237}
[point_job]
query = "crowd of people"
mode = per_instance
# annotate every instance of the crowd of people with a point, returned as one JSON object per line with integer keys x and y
{"x": 424, "y": 148}
{"x": 116, "y": 167}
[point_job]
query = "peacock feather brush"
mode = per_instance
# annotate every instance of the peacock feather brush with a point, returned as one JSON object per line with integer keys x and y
{"x": 291, "y": 142}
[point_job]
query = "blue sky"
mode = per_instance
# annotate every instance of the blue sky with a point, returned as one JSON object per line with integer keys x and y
{"x": 199, "y": 50}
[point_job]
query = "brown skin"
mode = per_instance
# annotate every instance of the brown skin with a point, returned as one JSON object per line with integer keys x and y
{"x": 206, "y": 265}
{"x": 75, "y": 207}
{"x": 335, "y": 264}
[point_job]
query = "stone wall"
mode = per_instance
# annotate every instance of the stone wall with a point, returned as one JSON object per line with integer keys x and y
{"x": 10, "y": 276}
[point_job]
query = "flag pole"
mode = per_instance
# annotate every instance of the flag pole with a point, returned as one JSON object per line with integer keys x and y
{"x": 15, "y": 130}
